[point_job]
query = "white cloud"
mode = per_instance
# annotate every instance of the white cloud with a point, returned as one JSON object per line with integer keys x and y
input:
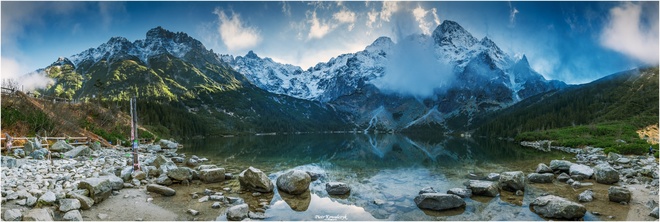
{"x": 318, "y": 28}
{"x": 436, "y": 19}
{"x": 625, "y": 33}
{"x": 388, "y": 9}
{"x": 286, "y": 8}
{"x": 345, "y": 16}
{"x": 234, "y": 33}
{"x": 420, "y": 13}
{"x": 512, "y": 15}
{"x": 14, "y": 70}
{"x": 372, "y": 16}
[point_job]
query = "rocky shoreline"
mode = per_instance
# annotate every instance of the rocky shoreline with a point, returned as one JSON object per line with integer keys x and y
{"x": 81, "y": 179}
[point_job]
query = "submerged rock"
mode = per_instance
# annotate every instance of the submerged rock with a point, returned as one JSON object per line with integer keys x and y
{"x": 512, "y": 181}
{"x": 294, "y": 182}
{"x": 338, "y": 188}
{"x": 556, "y": 207}
{"x": 255, "y": 180}
{"x": 483, "y": 188}
{"x": 619, "y": 194}
{"x": 439, "y": 201}
{"x": 238, "y": 212}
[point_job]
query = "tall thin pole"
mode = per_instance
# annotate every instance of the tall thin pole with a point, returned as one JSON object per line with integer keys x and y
{"x": 134, "y": 133}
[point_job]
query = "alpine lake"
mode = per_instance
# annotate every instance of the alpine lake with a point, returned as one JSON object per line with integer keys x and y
{"x": 385, "y": 173}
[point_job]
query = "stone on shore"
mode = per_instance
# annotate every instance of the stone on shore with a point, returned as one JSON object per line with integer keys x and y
{"x": 8, "y": 162}
{"x": 163, "y": 180}
{"x": 563, "y": 177}
{"x": 238, "y": 212}
{"x": 47, "y": 199}
{"x": 581, "y": 170}
{"x": 605, "y": 174}
{"x": 439, "y": 201}
{"x": 168, "y": 144}
{"x": 254, "y": 179}
{"x": 116, "y": 183}
{"x": 139, "y": 175}
{"x": 99, "y": 188}
{"x": 204, "y": 167}
{"x": 61, "y": 146}
{"x": 654, "y": 213}
{"x": 586, "y": 196}
{"x": 73, "y": 215}
{"x": 78, "y": 151}
{"x": 162, "y": 190}
{"x": 180, "y": 173}
{"x": 337, "y": 188}
{"x": 85, "y": 202}
{"x": 294, "y": 182}
{"x": 427, "y": 190}
{"x": 67, "y": 205}
{"x": 38, "y": 214}
{"x": 557, "y": 207}
{"x": 212, "y": 175}
{"x": 512, "y": 181}
{"x": 164, "y": 164}
{"x": 125, "y": 173}
{"x": 561, "y": 165}
{"x": 39, "y": 154}
{"x": 540, "y": 177}
{"x": 619, "y": 194}
{"x": 542, "y": 168}
{"x": 493, "y": 177}
{"x": 483, "y": 188}
{"x": 12, "y": 215}
{"x": 461, "y": 192}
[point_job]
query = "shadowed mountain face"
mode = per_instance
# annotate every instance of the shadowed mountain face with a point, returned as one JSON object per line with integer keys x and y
{"x": 438, "y": 82}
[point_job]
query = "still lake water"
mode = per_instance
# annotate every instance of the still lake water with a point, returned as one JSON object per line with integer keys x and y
{"x": 385, "y": 173}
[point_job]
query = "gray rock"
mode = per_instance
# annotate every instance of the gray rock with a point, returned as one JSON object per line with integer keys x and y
{"x": 177, "y": 159}
{"x": 61, "y": 146}
{"x": 19, "y": 153}
{"x": 69, "y": 204}
{"x": 483, "y": 188}
{"x": 654, "y": 213}
{"x": 461, "y": 192}
{"x": 164, "y": 164}
{"x": 257, "y": 215}
{"x": 102, "y": 216}
{"x": 99, "y": 188}
{"x": 180, "y": 173}
{"x": 438, "y": 201}
{"x": 313, "y": 175}
{"x": 338, "y": 188}
{"x": 73, "y": 215}
{"x": 192, "y": 162}
{"x": 586, "y": 196}
{"x": 203, "y": 199}
{"x": 139, "y": 175}
{"x": 192, "y": 212}
{"x": 427, "y": 190}
{"x": 619, "y": 194}
{"x": 39, "y": 214}
{"x": 255, "y": 180}
{"x": 168, "y": 144}
{"x": 203, "y": 167}
{"x": 216, "y": 205}
{"x": 47, "y": 199}
{"x": 39, "y": 154}
{"x": 154, "y": 148}
{"x": 542, "y": 168}
{"x": 12, "y": 215}
{"x": 556, "y": 207}
{"x": 212, "y": 175}
{"x": 623, "y": 160}
{"x": 95, "y": 145}
{"x": 294, "y": 182}
{"x": 8, "y": 162}
{"x": 581, "y": 170}
{"x": 563, "y": 177}
{"x": 605, "y": 174}
{"x": 151, "y": 171}
{"x": 238, "y": 212}
{"x": 31, "y": 201}
{"x": 85, "y": 202}
{"x": 31, "y": 146}
{"x": 163, "y": 180}
{"x": 540, "y": 177}
{"x": 116, "y": 183}
{"x": 512, "y": 181}
{"x": 612, "y": 156}
{"x": 78, "y": 151}
{"x": 561, "y": 165}
{"x": 162, "y": 190}
{"x": 216, "y": 197}
{"x": 493, "y": 177}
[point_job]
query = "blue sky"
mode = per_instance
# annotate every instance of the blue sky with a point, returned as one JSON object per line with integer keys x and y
{"x": 576, "y": 42}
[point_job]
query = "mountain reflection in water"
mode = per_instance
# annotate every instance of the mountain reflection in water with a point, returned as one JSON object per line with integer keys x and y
{"x": 385, "y": 173}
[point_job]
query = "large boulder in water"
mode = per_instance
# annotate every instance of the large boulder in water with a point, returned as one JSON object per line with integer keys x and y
{"x": 605, "y": 174}
{"x": 483, "y": 188}
{"x": 561, "y": 165}
{"x": 439, "y": 201}
{"x": 581, "y": 170}
{"x": 556, "y": 207}
{"x": 512, "y": 181}
{"x": 619, "y": 194}
{"x": 294, "y": 182}
{"x": 255, "y": 180}
{"x": 540, "y": 177}
{"x": 337, "y": 188}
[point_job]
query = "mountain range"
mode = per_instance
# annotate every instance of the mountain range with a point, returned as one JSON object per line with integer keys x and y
{"x": 447, "y": 79}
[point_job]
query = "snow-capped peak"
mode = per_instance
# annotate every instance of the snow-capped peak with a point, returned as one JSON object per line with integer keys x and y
{"x": 382, "y": 43}
{"x": 451, "y": 33}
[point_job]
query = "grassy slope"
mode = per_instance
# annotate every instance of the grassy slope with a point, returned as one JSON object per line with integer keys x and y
{"x": 603, "y": 113}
